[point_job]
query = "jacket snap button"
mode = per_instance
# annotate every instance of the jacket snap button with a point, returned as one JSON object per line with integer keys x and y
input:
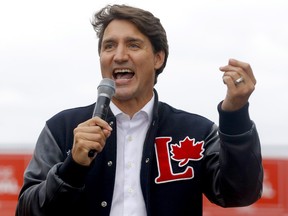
{"x": 110, "y": 163}
{"x": 104, "y": 204}
{"x": 147, "y": 160}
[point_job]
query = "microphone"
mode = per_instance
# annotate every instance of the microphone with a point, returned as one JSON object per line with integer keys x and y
{"x": 106, "y": 90}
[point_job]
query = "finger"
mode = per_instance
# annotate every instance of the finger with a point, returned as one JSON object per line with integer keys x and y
{"x": 82, "y": 145}
{"x": 88, "y": 129}
{"x": 94, "y": 134}
{"x": 93, "y": 130}
{"x": 245, "y": 67}
{"x": 232, "y": 77}
{"x": 96, "y": 121}
{"x": 85, "y": 141}
{"x": 229, "y": 81}
{"x": 101, "y": 123}
{"x": 233, "y": 74}
{"x": 236, "y": 73}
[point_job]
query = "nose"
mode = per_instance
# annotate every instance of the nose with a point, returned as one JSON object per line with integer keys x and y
{"x": 121, "y": 54}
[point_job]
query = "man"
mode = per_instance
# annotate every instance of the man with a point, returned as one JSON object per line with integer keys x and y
{"x": 152, "y": 159}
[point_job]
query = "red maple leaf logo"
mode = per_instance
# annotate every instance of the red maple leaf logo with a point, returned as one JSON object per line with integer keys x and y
{"x": 187, "y": 150}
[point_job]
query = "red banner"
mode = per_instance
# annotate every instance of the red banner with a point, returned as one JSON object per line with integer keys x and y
{"x": 274, "y": 201}
{"x": 12, "y": 167}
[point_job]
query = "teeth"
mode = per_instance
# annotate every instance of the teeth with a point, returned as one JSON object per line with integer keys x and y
{"x": 122, "y": 71}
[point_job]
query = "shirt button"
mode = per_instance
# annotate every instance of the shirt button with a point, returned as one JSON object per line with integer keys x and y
{"x": 130, "y": 190}
{"x": 104, "y": 204}
{"x": 130, "y": 165}
{"x": 110, "y": 163}
{"x": 129, "y": 138}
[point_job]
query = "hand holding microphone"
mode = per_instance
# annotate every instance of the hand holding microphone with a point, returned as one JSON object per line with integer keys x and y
{"x": 106, "y": 90}
{"x": 90, "y": 136}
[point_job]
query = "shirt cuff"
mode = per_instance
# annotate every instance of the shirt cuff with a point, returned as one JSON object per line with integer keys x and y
{"x": 235, "y": 122}
{"x": 73, "y": 173}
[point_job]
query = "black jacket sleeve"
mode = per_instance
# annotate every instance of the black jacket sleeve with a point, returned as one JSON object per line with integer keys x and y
{"x": 42, "y": 183}
{"x": 234, "y": 173}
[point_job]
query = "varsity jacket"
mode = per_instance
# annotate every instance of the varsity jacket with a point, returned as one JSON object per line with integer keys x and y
{"x": 184, "y": 156}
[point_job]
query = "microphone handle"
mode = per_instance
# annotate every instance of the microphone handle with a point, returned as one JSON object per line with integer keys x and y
{"x": 101, "y": 110}
{"x": 102, "y": 106}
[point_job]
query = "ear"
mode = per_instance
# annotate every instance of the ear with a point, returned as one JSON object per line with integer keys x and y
{"x": 159, "y": 59}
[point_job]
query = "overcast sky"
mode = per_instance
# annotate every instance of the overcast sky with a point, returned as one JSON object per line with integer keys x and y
{"x": 49, "y": 60}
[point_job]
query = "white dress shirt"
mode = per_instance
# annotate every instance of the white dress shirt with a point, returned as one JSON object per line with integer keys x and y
{"x": 131, "y": 132}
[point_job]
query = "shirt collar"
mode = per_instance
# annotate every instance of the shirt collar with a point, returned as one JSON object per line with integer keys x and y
{"x": 148, "y": 108}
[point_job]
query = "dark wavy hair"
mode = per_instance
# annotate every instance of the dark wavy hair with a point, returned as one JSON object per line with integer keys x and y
{"x": 146, "y": 22}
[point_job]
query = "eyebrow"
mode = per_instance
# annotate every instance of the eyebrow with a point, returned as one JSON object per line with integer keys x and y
{"x": 132, "y": 39}
{"x": 128, "y": 39}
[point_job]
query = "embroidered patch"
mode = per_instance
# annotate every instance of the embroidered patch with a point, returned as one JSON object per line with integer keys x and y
{"x": 187, "y": 150}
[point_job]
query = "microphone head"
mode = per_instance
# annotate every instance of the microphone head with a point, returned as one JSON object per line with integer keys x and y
{"x": 106, "y": 88}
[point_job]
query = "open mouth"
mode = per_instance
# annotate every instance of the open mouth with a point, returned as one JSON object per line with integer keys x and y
{"x": 123, "y": 74}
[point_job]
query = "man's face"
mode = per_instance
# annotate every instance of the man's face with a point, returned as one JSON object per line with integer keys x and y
{"x": 127, "y": 57}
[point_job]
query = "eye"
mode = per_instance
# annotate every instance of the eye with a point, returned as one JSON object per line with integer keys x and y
{"x": 108, "y": 46}
{"x": 134, "y": 46}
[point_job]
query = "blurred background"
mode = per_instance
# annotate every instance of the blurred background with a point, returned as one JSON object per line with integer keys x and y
{"x": 49, "y": 62}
